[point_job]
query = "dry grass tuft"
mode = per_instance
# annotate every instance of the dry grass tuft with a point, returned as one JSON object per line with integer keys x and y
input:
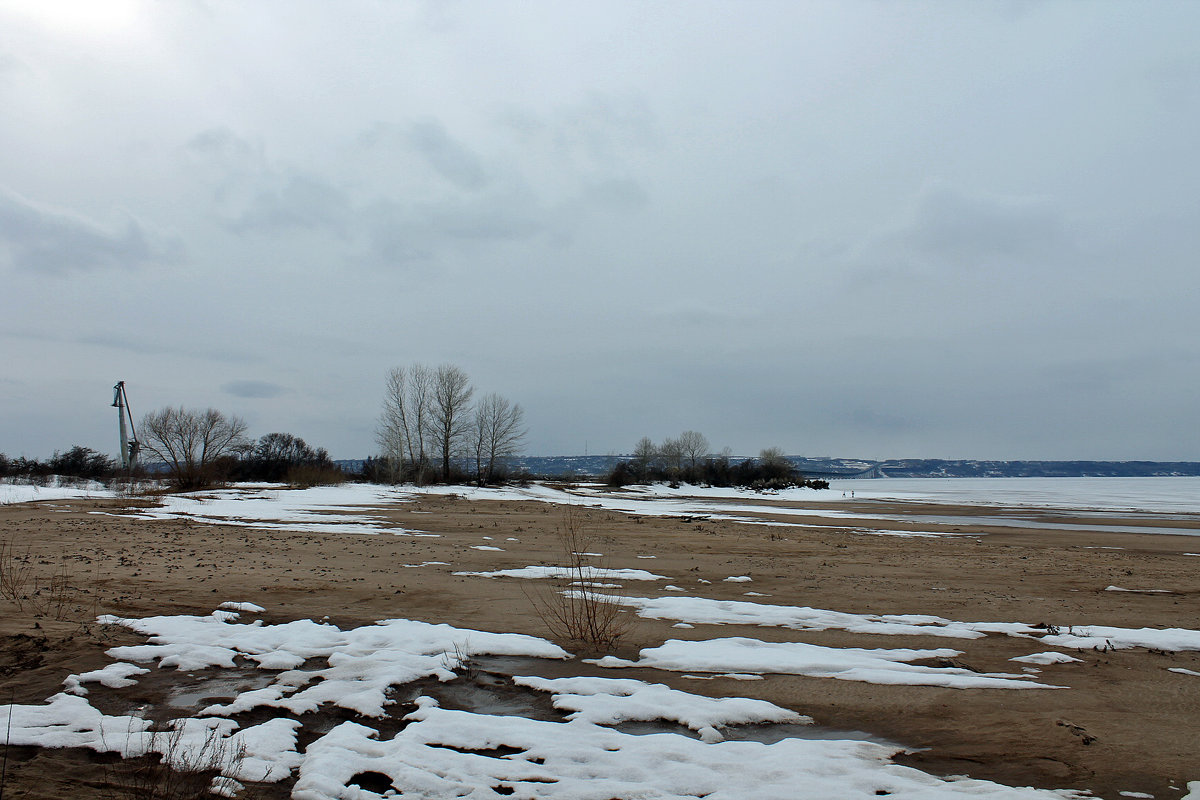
{"x": 52, "y": 594}
{"x": 175, "y": 771}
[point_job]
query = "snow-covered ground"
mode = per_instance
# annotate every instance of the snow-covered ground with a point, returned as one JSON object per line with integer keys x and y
{"x": 442, "y": 753}
{"x": 1156, "y": 495}
{"x": 1150, "y": 496}
{"x": 353, "y": 508}
{"x": 700, "y": 611}
{"x": 20, "y": 492}
{"x": 740, "y": 654}
{"x": 348, "y": 508}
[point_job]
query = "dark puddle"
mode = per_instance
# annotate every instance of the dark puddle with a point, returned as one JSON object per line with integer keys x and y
{"x": 487, "y": 692}
{"x": 198, "y": 690}
{"x": 502, "y": 668}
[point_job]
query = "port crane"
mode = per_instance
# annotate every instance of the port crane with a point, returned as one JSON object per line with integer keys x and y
{"x": 129, "y": 443}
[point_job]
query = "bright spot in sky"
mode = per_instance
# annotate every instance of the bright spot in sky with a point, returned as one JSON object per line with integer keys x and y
{"x": 76, "y": 17}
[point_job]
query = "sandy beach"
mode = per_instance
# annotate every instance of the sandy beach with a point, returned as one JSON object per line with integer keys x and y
{"x": 1123, "y": 723}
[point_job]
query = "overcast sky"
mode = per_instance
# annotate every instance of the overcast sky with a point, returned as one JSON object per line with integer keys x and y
{"x": 870, "y": 229}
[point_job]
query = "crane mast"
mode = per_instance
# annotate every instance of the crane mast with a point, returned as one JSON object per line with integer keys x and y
{"x": 129, "y": 442}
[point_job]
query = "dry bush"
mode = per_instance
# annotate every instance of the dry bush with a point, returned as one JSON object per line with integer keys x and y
{"x": 585, "y": 612}
{"x": 16, "y": 572}
{"x": 54, "y": 595}
{"x": 173, "y": 772}
{"x": 305, "y": 476}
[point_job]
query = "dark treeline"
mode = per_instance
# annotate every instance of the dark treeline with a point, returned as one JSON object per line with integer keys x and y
{"x": 382, "y": 469}
{"x": 274, "y": 458}
{"x": 686, "y": 460}
{"x": 282, "y": 458}
{"x": 78, "y": 462}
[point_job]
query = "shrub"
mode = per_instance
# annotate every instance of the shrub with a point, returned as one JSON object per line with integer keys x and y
{"x": 82, "y": 462}
{"x": 304, "y": 476}
{"x": 771, "y": 470}
{"x": 585, "y": 612}
{"x": 621, "y": 475}
{"x": 277, "y": 455}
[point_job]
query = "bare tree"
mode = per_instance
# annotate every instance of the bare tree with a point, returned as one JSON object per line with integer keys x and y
{"x": 448, "y": 420}
{"x": 405, "y": 420}
{"x": 644, "y": 454}
{"x": 775, "y": 465}
{"x": 497, "y": 433}
{"x": 192, "y": 442}
{"x": 671, "y": 452}
{"x": 693, "y": 446}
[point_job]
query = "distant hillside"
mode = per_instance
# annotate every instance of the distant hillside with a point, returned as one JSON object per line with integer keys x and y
{"x": 594, "y": 466}
{"x": 937, "y": 468}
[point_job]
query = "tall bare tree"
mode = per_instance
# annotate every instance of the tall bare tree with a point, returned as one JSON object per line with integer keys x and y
{"x": 449, "y": 419}
{"x": 405, "y": 421}
{"x": 192, "y": 442}
{"x": 671, "y": 453}
{"x": 775, "y": 465}
{"x": 645, "y": 452}
{"x": 694, "y": 447}
{"x": 497, "y": 434}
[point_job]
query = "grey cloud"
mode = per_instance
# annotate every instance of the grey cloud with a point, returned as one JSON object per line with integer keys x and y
{"x": 391, "y": 243}
{"x": 254, "y": 389}
{"x": 448, "y": 157}
{"x": 298, "y": 201}
{"x": 696, "y": 315}
{"x": 492, "y": 219}
{"x": 600, "y": 130}
{"x": 950, "y": 225}
{"x": 403, "y": 234}
{"x": 225, "y": 144}
{"x": 945, "y": 232}
{"x": 1100, "y": 375}
{"x": 155, "y": 345}
{"x": 605, "y": 124}
{"x": 256, "y": 196}
{"x": 868, "y": 419}
{"x": 616, "y": 194}
{"x": 493, "y": 201}
{"x": 42, "y": 239}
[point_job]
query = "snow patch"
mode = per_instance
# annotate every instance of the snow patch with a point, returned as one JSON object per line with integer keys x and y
{"x": 741, "y": 654}
{"x": 581, "y": 572}
{"x": 1046, "y": 658}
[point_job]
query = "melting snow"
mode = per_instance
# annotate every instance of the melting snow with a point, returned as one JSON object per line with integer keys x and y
{"x": 1046, "y": 658}
{"x": 114, "y": 676}
{"x": 608, "y": 701}
{"x": 741, "y": 654}
{"x": 449, "y": 754}
{"x": 452, "y": 754}
{"x": 700, "y": 610}
{"x": 584, "y": 572}
{"x": 321, "y": 509}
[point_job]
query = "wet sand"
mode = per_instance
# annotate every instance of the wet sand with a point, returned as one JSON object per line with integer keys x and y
{"x": 1124, "y": 724}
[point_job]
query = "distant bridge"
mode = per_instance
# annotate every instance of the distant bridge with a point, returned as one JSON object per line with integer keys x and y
{"x": 827, "y": 471}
